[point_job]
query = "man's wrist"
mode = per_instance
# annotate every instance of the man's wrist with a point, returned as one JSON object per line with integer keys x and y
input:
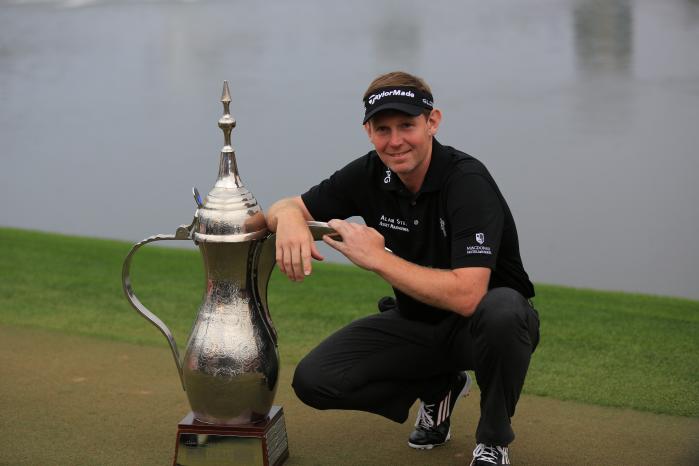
{"x": 383, "y": 263}
{"x": 287, "y": 212}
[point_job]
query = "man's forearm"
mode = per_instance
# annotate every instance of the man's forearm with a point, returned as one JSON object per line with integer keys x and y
{"x": 458, "y": 290}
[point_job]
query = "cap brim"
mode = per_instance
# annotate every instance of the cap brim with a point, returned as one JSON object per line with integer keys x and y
{"x": 412, "y": 110}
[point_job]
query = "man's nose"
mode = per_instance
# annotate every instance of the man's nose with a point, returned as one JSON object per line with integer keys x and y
{"x": 396, "y": 139}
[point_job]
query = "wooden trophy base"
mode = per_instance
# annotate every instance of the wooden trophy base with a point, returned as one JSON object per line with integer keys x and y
{"x": 261, "y": 444}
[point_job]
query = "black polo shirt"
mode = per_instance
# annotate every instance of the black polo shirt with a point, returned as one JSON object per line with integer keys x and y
{"x": 458, "y": 219}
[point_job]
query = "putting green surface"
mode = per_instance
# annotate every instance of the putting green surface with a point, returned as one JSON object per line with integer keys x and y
{"x": 77, "y": 400}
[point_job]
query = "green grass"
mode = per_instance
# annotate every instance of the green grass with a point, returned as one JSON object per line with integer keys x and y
{"x": 606, "y": 348}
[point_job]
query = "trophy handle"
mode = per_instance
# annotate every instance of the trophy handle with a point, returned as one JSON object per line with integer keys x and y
{"x": 265, "y": 260}
{"x": 318, "y": 229}
{"x": 182, "y": 233}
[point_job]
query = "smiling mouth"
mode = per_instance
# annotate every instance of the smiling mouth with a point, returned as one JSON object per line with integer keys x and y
{"x": 398, "y": 154}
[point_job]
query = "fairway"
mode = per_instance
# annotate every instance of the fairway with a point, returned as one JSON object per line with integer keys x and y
{"x": 84, "y": 401}
{"x": 85, "y": 380}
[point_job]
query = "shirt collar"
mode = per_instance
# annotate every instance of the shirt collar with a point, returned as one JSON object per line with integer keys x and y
{"x": 438, "y": 169}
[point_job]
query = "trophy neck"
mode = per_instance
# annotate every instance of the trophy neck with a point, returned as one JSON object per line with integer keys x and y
{"x": 228, "y": 176}
{"x": 227, "y": 262}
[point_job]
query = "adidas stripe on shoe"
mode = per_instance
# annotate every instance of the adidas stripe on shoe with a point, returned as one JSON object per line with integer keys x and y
{"x": 432, "y": 426}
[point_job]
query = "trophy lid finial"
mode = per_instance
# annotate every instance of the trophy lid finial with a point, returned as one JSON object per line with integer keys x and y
{"x": 229, "y": 213}
{"x": 227, "y": 122}
{"x": 226, "y": 95}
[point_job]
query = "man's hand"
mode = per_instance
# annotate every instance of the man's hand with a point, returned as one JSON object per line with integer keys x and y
{"x": 295, "y": 247}
{"x": 361, "y": 244}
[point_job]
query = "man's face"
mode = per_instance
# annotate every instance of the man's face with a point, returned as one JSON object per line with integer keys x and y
{"x": 403, "y": 142}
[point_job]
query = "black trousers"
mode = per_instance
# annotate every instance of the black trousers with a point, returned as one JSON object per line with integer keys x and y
{"x": 383, "y": 363}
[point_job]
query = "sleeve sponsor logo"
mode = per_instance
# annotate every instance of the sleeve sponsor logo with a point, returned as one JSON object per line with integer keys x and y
{"x": 479, "y": 249}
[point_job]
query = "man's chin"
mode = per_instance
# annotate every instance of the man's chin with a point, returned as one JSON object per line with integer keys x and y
{"x": 400, "y": 170}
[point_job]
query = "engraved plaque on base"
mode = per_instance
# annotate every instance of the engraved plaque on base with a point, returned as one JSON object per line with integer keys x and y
{"x": 261, "y": 444}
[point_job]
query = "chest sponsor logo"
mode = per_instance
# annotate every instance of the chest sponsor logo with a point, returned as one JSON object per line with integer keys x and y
{"x": 443, "y": 226}
{"x": 479, "y": 249}
{"x": 387, "y": 179}
{"x": 394, "y": 223}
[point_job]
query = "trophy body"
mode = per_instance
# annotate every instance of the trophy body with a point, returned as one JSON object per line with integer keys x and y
{"x": 231, "y": 365}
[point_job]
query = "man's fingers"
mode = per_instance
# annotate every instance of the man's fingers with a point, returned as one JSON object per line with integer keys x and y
{"x": 337, "y": 245}
{"x": 287, "y": 262}
{"x": 295, "y": 257}
{"x": 315, "y": 253}
{"x": 306, "y": 258}
{"x": 339, "y": 226}
{"x": 280, "y": 259}
{"x": 279, "y": 254}
{"x": 296, "y": 264}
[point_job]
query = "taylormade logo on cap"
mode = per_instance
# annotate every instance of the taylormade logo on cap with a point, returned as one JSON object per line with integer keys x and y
{"x": 376, "y": 97}
{"x": 406, "y": 99}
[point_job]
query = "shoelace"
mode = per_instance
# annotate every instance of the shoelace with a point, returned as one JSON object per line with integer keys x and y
{"x": 425, "y": 419}
{"x": 489, "y": 454}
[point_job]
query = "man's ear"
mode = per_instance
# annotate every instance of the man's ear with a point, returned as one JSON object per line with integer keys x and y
{"x": 367, "y": 128}
{"x": 433, "y": 121}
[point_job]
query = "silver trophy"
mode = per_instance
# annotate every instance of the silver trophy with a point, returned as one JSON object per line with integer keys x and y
{"x": 231, "y": 363}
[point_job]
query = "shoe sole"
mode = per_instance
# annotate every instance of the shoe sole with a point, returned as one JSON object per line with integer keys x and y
{"x": 429, "y": 446}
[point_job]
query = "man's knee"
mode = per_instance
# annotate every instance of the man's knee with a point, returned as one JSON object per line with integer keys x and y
{"x": 501, "y": 313}
{"x": 312, "y": 386}
{"x": 304, "y": 382}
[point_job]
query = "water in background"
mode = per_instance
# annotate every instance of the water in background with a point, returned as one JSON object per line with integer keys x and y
{"x": 585, "y": 111}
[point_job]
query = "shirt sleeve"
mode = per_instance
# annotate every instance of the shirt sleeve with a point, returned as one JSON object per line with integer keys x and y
{"x": 338, "y": 195}
{"x": 476, "y": 220}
